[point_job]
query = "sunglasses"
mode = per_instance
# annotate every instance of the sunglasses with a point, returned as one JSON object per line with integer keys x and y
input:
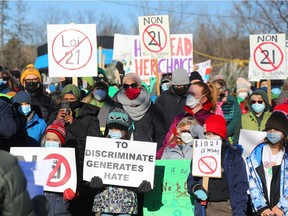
{"x": 133, "y": 85}
{"x": 254, "y": 101}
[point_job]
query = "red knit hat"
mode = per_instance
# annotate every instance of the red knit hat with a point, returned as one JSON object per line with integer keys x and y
{"x": 57, "y": 127}
{"x": 217, "y": 125}
{"x": 283, "y": 107}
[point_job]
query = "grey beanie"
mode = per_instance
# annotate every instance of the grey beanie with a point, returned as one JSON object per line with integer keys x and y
{"x": 180, "y": 77}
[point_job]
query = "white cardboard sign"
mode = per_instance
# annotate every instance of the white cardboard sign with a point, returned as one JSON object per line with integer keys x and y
{"x": 119, "y": 162}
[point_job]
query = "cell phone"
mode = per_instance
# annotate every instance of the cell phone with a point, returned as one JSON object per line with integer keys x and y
{"x": 65, "y": 105}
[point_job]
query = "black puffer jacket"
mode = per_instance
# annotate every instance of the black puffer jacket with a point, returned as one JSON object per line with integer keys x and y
{"x": 14, "y": 197}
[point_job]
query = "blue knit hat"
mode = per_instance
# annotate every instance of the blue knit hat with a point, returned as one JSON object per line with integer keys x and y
{"x": 22, "y": 96}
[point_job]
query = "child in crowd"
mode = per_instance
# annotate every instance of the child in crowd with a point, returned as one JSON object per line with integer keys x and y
{"x": 114, "y": 200}
{"x": 268, "y": 169}
{"x": 180, "y": 142}
{"x": 58, "y": 202}
{"x": 227, "y": 195}
{"x": 29, "y": 120}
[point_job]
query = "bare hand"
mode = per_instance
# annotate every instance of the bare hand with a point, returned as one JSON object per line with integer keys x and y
{"x": 267, "y": 212}
{"x": 61, "y": 114}
{"x": 277, "y": 211}
{"x": 69, "y": 118}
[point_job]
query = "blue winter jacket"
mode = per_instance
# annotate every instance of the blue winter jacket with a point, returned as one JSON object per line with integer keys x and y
{"x": 35, "y": 128}
{"x": 237, "y": 181}
{"x": 255, "y": 184}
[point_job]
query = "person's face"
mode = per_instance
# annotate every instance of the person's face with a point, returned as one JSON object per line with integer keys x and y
{"x": 69, "y": 97}
{"x": 255, "y": 98}
{"x": 31, "y": 78}
{"x": 52, "y": 137}
{"x": 131, "y": 82}
{"x": 195, "y": 91}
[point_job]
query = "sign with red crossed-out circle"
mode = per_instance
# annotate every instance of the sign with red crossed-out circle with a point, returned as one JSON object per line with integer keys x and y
{"x": 267, "y": 57}
{"x": 72, "y": 50}
{"x": 154, "y": 34}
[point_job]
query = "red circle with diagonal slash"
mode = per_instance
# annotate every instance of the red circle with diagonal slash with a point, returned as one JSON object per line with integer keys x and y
{"x": 71, "y": 55}
{"x": 268, "y": 58}
{"x": 153, "y": 38}
{"x": 61, "y": 160}
{"x": 206, "y": 161}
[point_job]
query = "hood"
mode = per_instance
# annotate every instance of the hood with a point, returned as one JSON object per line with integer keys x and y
{"x": 73, "y": 89}
{"x": 264, "y": 96}
{"x": 88, "y": 109}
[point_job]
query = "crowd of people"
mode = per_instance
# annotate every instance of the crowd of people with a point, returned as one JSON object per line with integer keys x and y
{"x": 32, "y": 115}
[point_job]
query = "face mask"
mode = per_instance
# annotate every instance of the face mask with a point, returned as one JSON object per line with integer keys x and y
{"x": 186, "y": 137}
{"x": 99, "y": 94}
{"x": 276, "y": 91}
{"x": 74, "y": 104}
{"x": 115, "y": 134}
{"x": 25, "y": 109}
{"x": 52, "y": 88}
{"x": 165, "y": 86}
{"x": 258, "y": 108}
{"x": 132, "y": 93}
{"x": 274, "y": 137}
{"x": 2, "y": 82}
{"x": 242, "y": 95}
{"x": 32, "y": 87}
{"x": 213, "y": 137}
{"x": 191, "y": 101}
{"x": 52, "y": 144}
{"x": 181, "y": 91}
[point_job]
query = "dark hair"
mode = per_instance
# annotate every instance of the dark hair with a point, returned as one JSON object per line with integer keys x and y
{"x": 125, "y": 132}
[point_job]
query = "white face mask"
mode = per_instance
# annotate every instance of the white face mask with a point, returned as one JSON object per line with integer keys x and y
{"x": 242, "y": 95}
{"x": 54, "y": 144}
{"x": 186, "y": 137}
{"x": 191, "y": 101}
{"x": 213, "y": 137}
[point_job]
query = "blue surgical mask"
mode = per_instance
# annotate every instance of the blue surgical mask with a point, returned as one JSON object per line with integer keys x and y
{"x": 276, "y": 91}
{"x": 24, "y": 109}
{"x": 165, "y": 86}
{"x": 54, "y": 144}
{"x": 274, "y": 137}
{"x": 258, "y": 108}
{"x": 99, "y": 94}
{"x": 2, "y": 82}
{"x": 115, "y": 134}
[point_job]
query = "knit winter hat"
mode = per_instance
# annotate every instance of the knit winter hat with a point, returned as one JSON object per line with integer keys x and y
{"x": 57, "y": 127}
{"x": 283, "y": 107}
{"x": 166, "y": 78}
{"x": 100, "y": 81}
{"x": 71, "y": 89}
{"x": 278, "y": 121}
{"x": 132, "y": 76}
{"x": 180, "y": 77}
{"x": 217, "y": 125}
{"x": 22, "y": 96}
{"x": 118, "y": 119}
{"x": 242, "y": 85}
{"x": 29, "y": 69}
{"x": 194, "y": 75}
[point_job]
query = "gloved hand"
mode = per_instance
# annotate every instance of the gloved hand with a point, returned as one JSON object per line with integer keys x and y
{"x": 68, "y": 194}
{"x": 144, "y": 187}
{"x": 200, "y": 193}
{"x": 96, "y": 183}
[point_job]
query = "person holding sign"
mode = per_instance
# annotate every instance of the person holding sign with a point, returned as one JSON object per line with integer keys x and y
{"x": 227, "y": 195}
{"x": 268, "y": 164}
{"x": 114, "y": 200}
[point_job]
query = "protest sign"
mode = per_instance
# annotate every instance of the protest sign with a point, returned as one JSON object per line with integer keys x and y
{"x": 204, "y": 69}
{"x": 207, "y": 158}
{"x": 72, "y": 50}
{"x": 119, "y": 162}
{"x": 268, "y": 56}
{"x": 249, "y": 139}
{"x": 62, "y": 173}
{"x": 170, "y": 195}
{"x": 154, "y": 34}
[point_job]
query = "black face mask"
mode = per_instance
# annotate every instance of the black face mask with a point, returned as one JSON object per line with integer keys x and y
{"x": 32, "y": 87}
{"x": 74, "y": 105}
{"x": 181, "y": 91}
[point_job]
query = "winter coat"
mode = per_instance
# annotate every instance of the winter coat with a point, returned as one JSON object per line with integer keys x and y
{"x": 14, "y": 197}
{"x": 170, "y": 105}
{"x": 175, "y": 152}
{"x": 8, "y": 126}
{"x": 201, "y": 116}
{"x": 255, "y": 183}
{"x": 35, "y": 128}
{"x": 150, "y": 128}
{"x": 236, "y": 177}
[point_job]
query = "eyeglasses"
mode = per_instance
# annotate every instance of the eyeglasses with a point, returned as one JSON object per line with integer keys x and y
{"x": 31, "y": 80}
{"x": 133, "y": 85}
{"x": 254, "y": 101}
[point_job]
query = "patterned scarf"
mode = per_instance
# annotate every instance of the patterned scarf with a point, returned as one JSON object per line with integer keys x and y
{"x": 135, "y": 108}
